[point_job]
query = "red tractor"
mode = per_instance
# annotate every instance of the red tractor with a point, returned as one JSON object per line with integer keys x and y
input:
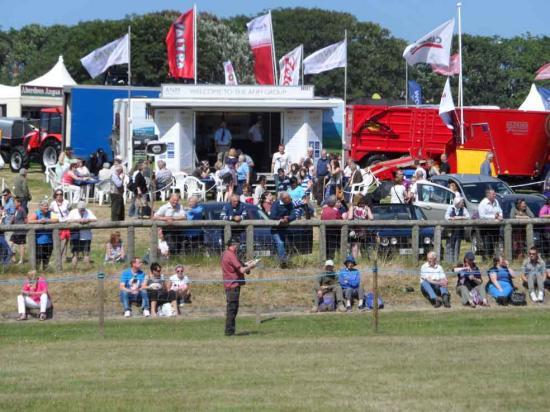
{"x": 42, "y": 145}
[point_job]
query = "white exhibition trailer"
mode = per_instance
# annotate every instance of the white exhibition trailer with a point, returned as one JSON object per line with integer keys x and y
{"x": 186, "y": 117}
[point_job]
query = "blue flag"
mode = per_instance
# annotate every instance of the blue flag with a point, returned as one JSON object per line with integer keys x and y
{"x": 415, "y": 92}
{"x": 545, "y": 94}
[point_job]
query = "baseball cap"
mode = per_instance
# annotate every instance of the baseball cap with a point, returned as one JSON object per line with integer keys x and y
{"x": 6, "y": 191}
{"x": 470, "y": 256}
{"x": 329, "y": 262}
{"x": 81, "y": 205}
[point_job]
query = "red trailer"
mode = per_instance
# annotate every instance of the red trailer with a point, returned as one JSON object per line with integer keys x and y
{"x": 520, "y": 140}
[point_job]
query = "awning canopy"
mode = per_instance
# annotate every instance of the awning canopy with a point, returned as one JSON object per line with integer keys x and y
{"x": 249, "y": 104}
{"x": 58, "y": 76}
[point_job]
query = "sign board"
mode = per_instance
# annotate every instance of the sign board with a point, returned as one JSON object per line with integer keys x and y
{"x": 41, "y": 91}
{"x": 189, "y": 91}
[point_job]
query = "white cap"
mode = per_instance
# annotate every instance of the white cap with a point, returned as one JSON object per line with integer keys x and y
{"x": 329, "y": 262}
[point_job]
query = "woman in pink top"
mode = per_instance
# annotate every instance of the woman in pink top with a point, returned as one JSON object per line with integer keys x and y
{"x": 34, "y": 295}
{"x": 70, "y": 175}
{"x": 545, "y": 210}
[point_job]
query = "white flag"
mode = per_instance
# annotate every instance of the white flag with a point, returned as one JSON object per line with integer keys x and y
{"x": 446, "y": 106}
{"x": 329, "y": 58}
{"x": 289, "y": 68}
{"x": 433, "y": 48}
{"x": 230, "y": 76}
{"x": 101, "y": 59}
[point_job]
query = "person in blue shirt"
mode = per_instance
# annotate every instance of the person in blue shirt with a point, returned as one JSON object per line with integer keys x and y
{"x": 243, "y": 174}
{"x": 283, "y": 211}
{"x": 8, "y": 211}
{"x": 133, "y": 288}
{"x": 44, "y": 239}
{"x": 350, "y": 281}
{"x": 321, "y": 171}
{"x": 500, "y": 284}
{"x": 235, "y": 210}
{"x": 194, "y": 211}
{"x": 295, "y": 191}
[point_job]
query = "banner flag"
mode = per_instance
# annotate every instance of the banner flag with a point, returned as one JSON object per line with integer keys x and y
{"x": 543, "y": 73}
{"x": 180, "y": 46}
{"x": 260, "y": 38}
{"x": 230, "y": 76}
{"x": 289, "y": 67}
{"x": 433, "y": 48}
{"x": 415, "y": 92}
{"x": 328, "y": 58}
{"x": 116, "y": 52}
{"x": 451, "y": 70}
{"x": 545, "y": 95}
{"x": 446, "y": 106}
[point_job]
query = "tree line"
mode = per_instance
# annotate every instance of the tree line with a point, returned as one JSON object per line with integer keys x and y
{"x": 496, "y": 70}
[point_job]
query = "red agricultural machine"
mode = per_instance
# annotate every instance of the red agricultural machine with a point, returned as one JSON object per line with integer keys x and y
{"x": 393, "y": 136}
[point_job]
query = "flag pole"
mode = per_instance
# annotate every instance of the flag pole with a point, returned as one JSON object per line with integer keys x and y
{"x": 276, "y": 79}
{"x": 346, "y": 70}
{"x": 129, "y": 114}
{"x": 195, "y": 45}
{"x": 302, "y": 63}
{"x": 406, "y": 84}
{"x": 460, "y": 89}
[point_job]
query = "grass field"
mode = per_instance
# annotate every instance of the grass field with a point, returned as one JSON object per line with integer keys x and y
{"x": 460, "y": 360}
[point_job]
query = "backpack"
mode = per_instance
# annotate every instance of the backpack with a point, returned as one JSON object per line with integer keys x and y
{"x": 369, "y": 301}
{"x": 518, "y": 298}
{"x": 328, "y": 304}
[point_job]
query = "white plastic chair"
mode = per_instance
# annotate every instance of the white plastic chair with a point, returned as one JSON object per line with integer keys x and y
{"x": 71, "y": 193}
{"x": 179, "y": 183}
{"x": 221, "y": 188}
{"x": 369, "y": 179}
{"x": 48, "y": 172}
{"x": 194, "y": 187}
{"x": 102, "y": 191}
{"x": 166, "y": 190}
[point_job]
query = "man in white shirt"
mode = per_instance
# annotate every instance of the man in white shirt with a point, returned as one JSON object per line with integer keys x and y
{"x": 420, "y": 169}
{"x": 81, "y": 240}
{"x": 172, "y": 212}
{"x": 398, "y": 191}
{"x": 433, "y": 282}
{"x": 419, "y": 179}
{"x": 489, "y": 209}
{"x": 280, "y": 161}
{"x": 255, "y": 133}
{"x": 222, "y": 139}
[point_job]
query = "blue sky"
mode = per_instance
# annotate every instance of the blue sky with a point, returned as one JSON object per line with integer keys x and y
{"x": 408, "y": 19}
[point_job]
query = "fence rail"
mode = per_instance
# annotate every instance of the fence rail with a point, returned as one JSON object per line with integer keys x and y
{"x": 333, "y": 234}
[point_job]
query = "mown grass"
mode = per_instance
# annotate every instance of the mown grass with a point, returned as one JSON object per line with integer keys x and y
{"x": 478, "y": 360}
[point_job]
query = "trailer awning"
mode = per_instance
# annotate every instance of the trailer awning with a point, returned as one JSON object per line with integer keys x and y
{"x": 258, "y": 104}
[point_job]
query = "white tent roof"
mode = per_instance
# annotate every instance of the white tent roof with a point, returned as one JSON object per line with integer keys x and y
{"x": 533, "y": 101}
{"x": 58, "y": 76}
{"x": 7, "y": 92}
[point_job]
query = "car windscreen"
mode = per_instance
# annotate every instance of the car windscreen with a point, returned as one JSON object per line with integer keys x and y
{"x": 392, "y": 212}
{"x": 532, "y": 203}
{"x": 475, "y": 192}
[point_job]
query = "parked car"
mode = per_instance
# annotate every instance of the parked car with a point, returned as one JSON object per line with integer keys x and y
{"x": 300, "y": 239}
{"x": 433, "y": 199}
{"x": 395, "y": 239}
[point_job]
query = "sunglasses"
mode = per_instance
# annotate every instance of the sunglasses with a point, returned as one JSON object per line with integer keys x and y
{"x": 59, "y": 194}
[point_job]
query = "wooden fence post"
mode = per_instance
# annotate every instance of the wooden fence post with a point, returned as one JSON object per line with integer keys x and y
{"x": 153, "y": 248}
{"x": 344, "y": 241}
{"x": 131, "y": 243}
{"x": 226, "y": 234}
{"x": 322, "y": 242}
{"x": 507, "y": 241}
{"x": 415, "y": 233}
{"x": 375, "y": 287}
{"x": 529, "y": 236}
{"x": 101, "y": 302}
{"x": 437, "y": 242}
{"x": 57, "y": 250}
{"x": 31, "y": 246}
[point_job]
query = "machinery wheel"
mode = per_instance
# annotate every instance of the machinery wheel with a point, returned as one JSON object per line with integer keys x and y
{"x": 373, "y": 159}
{"x": 19, "y": 158}
{"x": 49, "y": 153}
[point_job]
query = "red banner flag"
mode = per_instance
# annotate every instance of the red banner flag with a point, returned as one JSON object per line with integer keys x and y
{"x": 260, "y": 37}
{"x": 451, "y": 70}
{"x": 544, "y": 72}
{"x": 180, "y": 46}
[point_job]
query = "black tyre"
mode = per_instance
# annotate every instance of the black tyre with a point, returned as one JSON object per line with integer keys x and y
{"x": 49, "y": 153}
{"x": 19, "y": 158}
{"x": 373, "y": 159}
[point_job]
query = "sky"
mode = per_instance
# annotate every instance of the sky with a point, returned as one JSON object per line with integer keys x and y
{"x": 407, "y": 19}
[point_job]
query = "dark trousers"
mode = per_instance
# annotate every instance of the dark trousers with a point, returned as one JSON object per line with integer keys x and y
{"x": 43, "y": 253}
{"x": 232, "y": 297}
{"x": 117, "y": 207}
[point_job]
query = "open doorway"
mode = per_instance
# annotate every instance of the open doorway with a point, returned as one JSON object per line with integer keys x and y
{"x": 239, "y": 124}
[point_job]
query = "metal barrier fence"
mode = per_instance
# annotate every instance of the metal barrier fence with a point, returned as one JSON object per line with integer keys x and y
{"x": 320, "y": 239}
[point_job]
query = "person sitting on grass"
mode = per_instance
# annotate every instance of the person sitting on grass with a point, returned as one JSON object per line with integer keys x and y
{"x": 325, "y": 288}
{"x": 350, "y": 281}
{"x": 133, "y": 288}
{"x": 34, "y": 295}
{"x": 180, "y": 283}
{"x": 433, "y": 282}
{"x": 500, "y": 284}
{"x": 534, "y": 275}
{"x": 114, "y": 249}
{"x": 469, "y": 284}
{"x": 159, "y": 292}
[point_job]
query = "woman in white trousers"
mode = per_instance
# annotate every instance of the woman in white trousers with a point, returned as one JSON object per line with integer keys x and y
{"x": 34, "y": 295}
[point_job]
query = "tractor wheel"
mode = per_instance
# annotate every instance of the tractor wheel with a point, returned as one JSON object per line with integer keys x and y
{"x": 373, "y": 159}
{"x": 49, "y": 153}
{"x": 19, "y": 158}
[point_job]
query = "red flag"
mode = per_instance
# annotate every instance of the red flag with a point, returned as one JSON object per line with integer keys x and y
{"x": 260, "y": 37}
{"x": 544, "y": 72}
{"x": 453, "y": 68}
{"x": 180, "y": 46}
